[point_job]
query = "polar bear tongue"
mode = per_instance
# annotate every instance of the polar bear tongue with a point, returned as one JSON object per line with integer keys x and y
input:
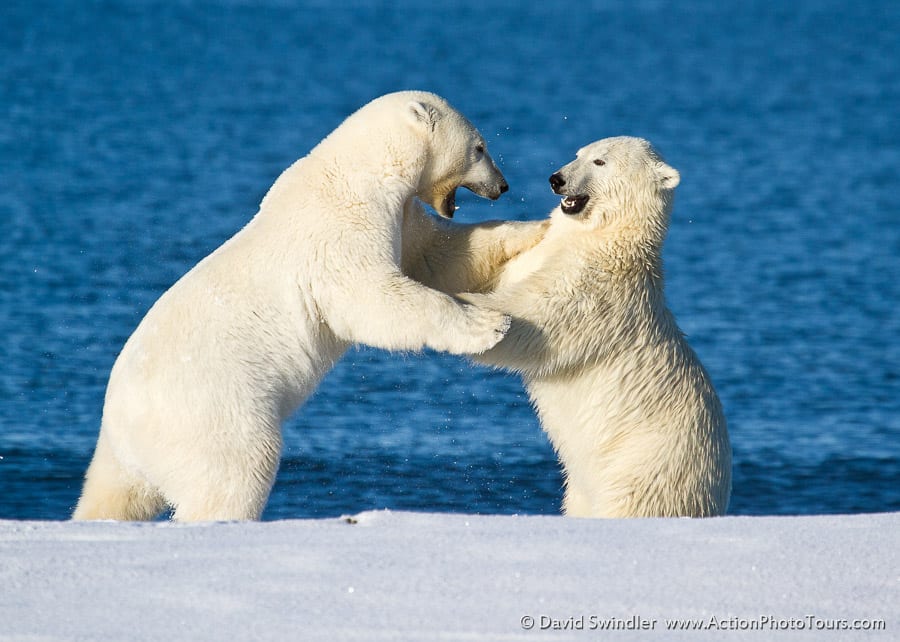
{"x": 448, "y": 205}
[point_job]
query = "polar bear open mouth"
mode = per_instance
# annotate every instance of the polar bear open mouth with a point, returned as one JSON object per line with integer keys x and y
{"x": 448, "y": 205}
{"x": 573, "y": 204}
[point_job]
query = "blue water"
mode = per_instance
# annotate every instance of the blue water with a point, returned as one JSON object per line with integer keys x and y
{"x": 136, "y": 137}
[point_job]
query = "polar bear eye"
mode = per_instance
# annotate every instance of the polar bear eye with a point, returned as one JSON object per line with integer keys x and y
{"x": 479, "y": 149}
{"x": 599, "y": 161}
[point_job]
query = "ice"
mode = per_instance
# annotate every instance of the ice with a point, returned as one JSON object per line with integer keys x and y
{"x": 422, "y": 576}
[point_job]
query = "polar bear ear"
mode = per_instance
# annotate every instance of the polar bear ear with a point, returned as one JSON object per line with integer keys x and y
{"x": 421, "y": 114}
{"x": 668, "y": 176}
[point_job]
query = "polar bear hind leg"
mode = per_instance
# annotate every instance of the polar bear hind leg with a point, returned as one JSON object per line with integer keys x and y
{"x": 219, "y": 499}
{"x": 576, "y": 503}
{"x": 111, "y": 492}
{"x": 228, "y": 481}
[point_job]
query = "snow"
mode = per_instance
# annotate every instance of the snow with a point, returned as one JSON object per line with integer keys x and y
{"x": 422, "y": 576}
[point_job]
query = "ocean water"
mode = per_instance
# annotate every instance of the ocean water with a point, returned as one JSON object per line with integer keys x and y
{"x": 136, "y": 137}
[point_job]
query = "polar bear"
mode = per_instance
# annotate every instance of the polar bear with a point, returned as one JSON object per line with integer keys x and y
{"x": 623, "y": 398}
{"x": 195, "y": 401}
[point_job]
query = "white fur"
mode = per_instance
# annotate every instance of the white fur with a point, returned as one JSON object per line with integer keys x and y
{"x": 196, "y": 399}
{"x": 625, "y": 401}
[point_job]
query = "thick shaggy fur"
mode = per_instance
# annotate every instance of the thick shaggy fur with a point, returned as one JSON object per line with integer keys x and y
{"x": 196, "y": 399}
{"x": 624, "y": 399}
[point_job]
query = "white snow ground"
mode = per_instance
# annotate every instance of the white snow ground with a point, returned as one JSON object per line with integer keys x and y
{"x": 423, "y": 577}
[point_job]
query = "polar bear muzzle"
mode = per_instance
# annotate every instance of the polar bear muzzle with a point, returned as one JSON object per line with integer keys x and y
{"x": 570, "y": 204}
{"x": 491, "y": 190}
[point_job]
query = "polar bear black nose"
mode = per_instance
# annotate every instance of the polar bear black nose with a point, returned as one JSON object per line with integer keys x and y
{"x": 504, "y": 187}
{"x": 557, "y": 181}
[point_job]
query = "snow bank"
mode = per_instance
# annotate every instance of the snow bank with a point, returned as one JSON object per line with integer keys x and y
{"x": 421, "y": 577}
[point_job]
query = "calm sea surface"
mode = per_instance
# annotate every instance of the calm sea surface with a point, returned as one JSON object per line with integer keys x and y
{"x": 135, "y": 137}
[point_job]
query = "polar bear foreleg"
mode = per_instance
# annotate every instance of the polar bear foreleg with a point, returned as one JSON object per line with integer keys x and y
{"x": 384, "y": 309}
{"x": 453, "y": 257}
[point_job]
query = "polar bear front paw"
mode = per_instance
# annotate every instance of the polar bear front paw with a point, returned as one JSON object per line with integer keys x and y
{"x": 484, "y": 329}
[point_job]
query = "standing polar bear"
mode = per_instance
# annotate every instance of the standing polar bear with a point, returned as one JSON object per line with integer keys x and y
{"x": 196, "y": 399}
{"x": 624, "y": 399}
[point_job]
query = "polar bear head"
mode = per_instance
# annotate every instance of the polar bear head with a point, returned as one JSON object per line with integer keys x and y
{"x": 414, "y": 139}
{"x": 455, "y": 154}
{"x": 621, "y": 178}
